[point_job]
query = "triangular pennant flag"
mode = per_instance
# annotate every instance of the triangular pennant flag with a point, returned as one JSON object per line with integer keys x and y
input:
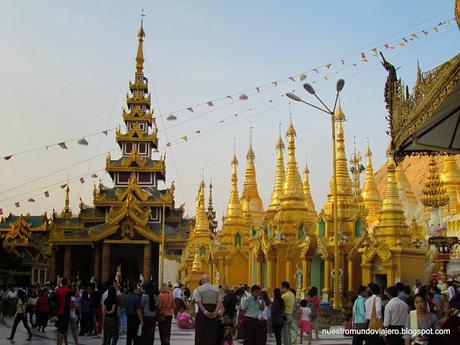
{"x": 7, "y": 158}
{"x": 446, "y": 22}
{"x": 190, "y": 109}
{"x": 435, "y": 28}
{"x": 426, "y": 33}
{"x": 82, "y": 141}
{"x": 275, "y": 83}
{"x": 326, "y": 78}
{"x": 236, "y": 115}
{"x": 94, "y": 176}
{"x": 402, "y": 44}
{"x": 374, "y": 50}
{"x": 316, "y": 70}
{"x": 198, "y": 132}
{"x": 342, "y": 61}
{"x": 414, "y": 35}
{"x": 302, "y": 76}
{"x": 210, "y": 104}
{"x": 17, "y": 204}
{"x": 168, "y": 144}
{"x": 184, "y": 138}
{"x": 355, "y": 65}
{"x": 171, "y": 117}
{"x": 329, "y": 65}
{"x": 405, "y": 40}
{"x": 63, "y": 145}
{"x": 258, "y": 89}
{"x": 366, "y": 60}
{"x": 1, "y": 211}
{"x": 105, "y": 132}
{"x": 363, "y": 56}
{"x": 63, "y": 185}
{"x": 243, "y": 97}
{"x": 31, "y": 200}
{"x": 221, "y": 121}
{"x": 47, "y": 194}
{"x": 292, "y": 78}
{"x": 230, "y": 97}
{"x": 82, "y": 180}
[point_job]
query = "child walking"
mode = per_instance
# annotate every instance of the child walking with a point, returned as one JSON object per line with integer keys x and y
{"x": 305, "y": 325}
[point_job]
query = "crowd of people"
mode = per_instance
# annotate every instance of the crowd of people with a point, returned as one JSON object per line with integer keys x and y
{"x": 222, "y": 315}
{"x": 401, "y": 315}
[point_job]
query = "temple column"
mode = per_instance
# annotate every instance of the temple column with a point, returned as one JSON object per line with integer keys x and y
{"x": 53, "y": 264}
{"x": 105, "y": 263}
{"x": 305, "y": 276}
{"x": 226, "y": 274}
{"x": 97, "y": 262}
{"x": 147, "y": 262}
{"x": 366, "y": 270}
{"x": 269, "y": 274}
{"x": 350, "y": 274}
{"x": 259, "y": 272}
{"x": 67, "y": 261}
{"x": 390, "y": 274}
{"x": 289, "y": 271}
{"x": 327, "y": 275}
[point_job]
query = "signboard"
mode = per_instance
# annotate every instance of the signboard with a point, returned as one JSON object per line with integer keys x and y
{"x": 441, "y": 240}
{"x": 442, "y": 257}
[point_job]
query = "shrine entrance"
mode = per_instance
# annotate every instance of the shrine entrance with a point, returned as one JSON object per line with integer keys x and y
{"x": 127, "y": 259}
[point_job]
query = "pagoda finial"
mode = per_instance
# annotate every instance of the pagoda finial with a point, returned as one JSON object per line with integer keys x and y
{"x": 140, "y": 48}
{"x": 66, "y": 212}
{"x": 279, "y": 175}
{"x": 292, "y": 187}
{"x": 201, "y": 219}
{"x": 307, "y": 192}
{"x": 371, "y": 195}
{"x": 434, "y": 193}
{"x": 392, "y": 227}
{"x": 234, "y": 206}
{"x": 251, "y": 202}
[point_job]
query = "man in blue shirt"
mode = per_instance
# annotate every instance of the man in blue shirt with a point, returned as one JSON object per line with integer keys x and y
{"x": 359, "y": 315}
{"x": 133, "y": 313}
{"x": 251, "y": 307}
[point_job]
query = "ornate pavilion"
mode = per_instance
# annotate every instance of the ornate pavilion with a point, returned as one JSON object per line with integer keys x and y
{"x": 120, "y": 235}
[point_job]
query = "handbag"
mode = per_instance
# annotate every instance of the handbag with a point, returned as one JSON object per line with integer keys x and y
{"x": 374, "y": 322}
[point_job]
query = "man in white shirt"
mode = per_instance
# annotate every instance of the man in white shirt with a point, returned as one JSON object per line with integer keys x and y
{"x": 374, "y": 302}
{"x": 450, "y": 290}
{"x": 395, "y": 316}
{"x": 179, "y": 298}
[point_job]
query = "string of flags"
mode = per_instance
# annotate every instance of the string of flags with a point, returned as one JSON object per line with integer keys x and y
{"x": 82, "y": 141}
{"x": 47, "y": 194}
{"x": 352, "y": 60}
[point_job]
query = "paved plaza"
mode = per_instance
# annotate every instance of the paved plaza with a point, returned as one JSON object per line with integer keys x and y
{"x": 178, "y": 337}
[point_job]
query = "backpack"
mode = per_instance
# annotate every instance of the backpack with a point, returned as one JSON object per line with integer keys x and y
{"x": 312, "y": 306}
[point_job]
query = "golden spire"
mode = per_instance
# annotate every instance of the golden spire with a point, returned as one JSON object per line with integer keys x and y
{"x": 140, "y": 50}
{"x": 434, "y": 193}
{"x": 306, "y": 191}
{"x": 251, "y": 203}
{"x": 292, "y": 187}
{"x": 201, "y": 219}
{"x": 344, "y": 185}
{"x": 371, "y": 196}
{"x": 404, "y": 185}
{"x": 279, "y": 177}
{"x": 234, "y": 211}
{"x": 392, "y": 227}
{"x": 66, "y": 212}
{"x": 451, "y": 178}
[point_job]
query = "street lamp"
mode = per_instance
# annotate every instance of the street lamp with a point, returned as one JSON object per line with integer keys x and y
{"x": 309, "y": 88}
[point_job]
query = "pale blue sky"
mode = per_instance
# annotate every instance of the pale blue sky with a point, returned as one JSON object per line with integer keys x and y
{"x": 65, "y": 68}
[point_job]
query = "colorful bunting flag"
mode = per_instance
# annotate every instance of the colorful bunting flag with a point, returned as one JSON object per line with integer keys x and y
{"x": 7, "y": 158}
{"x": 184, "y": 138}
{"x": 168, "y": 144}
{"x": 316, "y": 70}
{"x": 1, "y": 211}
{"x": 198, "y": 132}
{"x": 414, "y": 35}
{"x": 105, "y": 132}
{"x": 342, "y": 61}
{"x": 435, "y": 28}
{"x": 257, "y": 88}
{"x": 363, "y": 56}
{"x": 405, "y": 40}
{"x": 63, "y": 145}
{"x": 426, "y": 33}
{"x": 190, "y": 109}
{"x": 17, "y": 204}
{"x": 387, "y": 46}
{"x": 275, "y": 83}
{"x": 31, "y": 200}
{"x": 82, "y": 180}
{"x": 329, "y": 65}
{"x": 375, "y": 50}
{"x": 82, "y": 141}
{"x": 221, "y": 121}
{"x": 63, "y": 185}
{"x": 292, "y": 78}
{"x": 326, "y": 78}
{"x": 171, "y": 117}
{"x": 302, "y": 76}
{"x": 236, "y": 115}
{"x": 47, "y": 194}
{"x": 243, "y": 97}
{"x": 94, "y": 176}
{"x": 402, "y": 44}
{"x": 210, "y": 104}
{"x": 229, "y": 97}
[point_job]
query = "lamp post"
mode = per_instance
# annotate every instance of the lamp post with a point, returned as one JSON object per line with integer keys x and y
{"x": 309, "y": 88}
